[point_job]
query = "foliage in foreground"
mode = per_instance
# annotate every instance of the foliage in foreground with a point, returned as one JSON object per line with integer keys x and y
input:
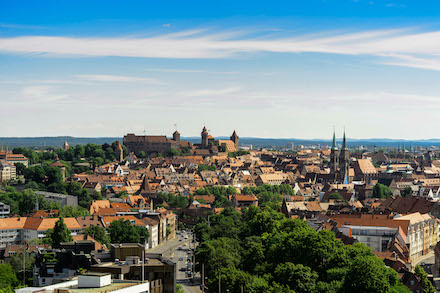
{"x": 263, "y": 251}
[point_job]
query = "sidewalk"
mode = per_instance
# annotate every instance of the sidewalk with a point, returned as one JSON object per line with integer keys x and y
{"x": 422, "y": 259}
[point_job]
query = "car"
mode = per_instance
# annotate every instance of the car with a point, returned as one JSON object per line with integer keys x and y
{"x": 188, "y": 274}
{"x": 180, "y": 248}
{"x": 180, "y": 239}
{"x": 182, "y": 269}
{"x": 180, "y": 258}
{"x": 422, "y": 264}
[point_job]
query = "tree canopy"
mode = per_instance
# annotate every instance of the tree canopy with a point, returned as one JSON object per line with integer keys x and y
{"x": 58, "y": 234}
{"x": 122, "y": 231}
{"x": 99, "y": 234}
{"x": 381, "y": 191}
{"x": 263, "y": 251}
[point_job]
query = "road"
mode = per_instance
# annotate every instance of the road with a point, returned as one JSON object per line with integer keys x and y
{"x": 170, "y": 250}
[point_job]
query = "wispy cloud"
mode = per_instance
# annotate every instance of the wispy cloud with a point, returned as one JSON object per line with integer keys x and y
{"x": 399, "y": 45}
{"x": 19, "y": 26}
{"x": 117, "y": 78}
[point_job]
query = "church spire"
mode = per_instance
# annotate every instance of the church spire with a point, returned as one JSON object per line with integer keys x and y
{"x": 344, "y": 142}
{"x": 334, "y": 147}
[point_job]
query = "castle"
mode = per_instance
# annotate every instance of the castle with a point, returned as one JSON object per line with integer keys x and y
{"x": 161, "y": 144}
{"x": 154, "y": 143}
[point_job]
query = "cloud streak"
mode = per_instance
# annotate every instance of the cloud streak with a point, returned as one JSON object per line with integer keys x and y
{"x": 117, "y": 78}
{"x": 399, "y": 47}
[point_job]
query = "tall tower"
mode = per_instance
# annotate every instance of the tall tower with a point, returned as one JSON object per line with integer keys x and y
{"x": 176, "y": 136}
{"x": 334, "y": 159}
{"x": 119, "y": 152}
{"x": 65, "y": 145}
{"x": 204, "y": 137}
{"x": 234, "y": 138}
{"x": 344, "y": 159}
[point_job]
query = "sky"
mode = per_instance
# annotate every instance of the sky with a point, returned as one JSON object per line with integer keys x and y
{"x": 275, "y": 69}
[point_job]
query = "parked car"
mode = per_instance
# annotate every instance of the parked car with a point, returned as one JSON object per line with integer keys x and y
{"x": 180, "y": 258}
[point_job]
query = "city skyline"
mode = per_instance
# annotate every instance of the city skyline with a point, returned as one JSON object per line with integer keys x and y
{"x": 285, "y": 70}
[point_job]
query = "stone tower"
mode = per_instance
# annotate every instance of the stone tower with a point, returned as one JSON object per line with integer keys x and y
{"x": 176, "y": 136}
{"x": 119, "y": 152}
{"x": 234, "y": 138}
{"x": 334, "y": 159}
{"x": 344, "y": 158}
{"x": 204, "y": 137}
{"x": 65, "y": 145}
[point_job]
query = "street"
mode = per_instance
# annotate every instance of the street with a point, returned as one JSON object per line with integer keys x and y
{"x": 171, "y": 250}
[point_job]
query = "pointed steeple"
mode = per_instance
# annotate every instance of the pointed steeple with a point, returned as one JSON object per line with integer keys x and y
{"x": 334, "y": 146}
{"x": 344, "y": 142}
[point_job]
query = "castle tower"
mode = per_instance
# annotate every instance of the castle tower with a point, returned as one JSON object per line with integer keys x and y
{"x": 65, "y": 145}
{"x": 176, "y": 136}
{"x": 334, "y": 160}
{"x": 204, "y": 137}
{"x": 119, "y": 152}
{"x": 344, "y": 158}
{"x": 234, "y": 138}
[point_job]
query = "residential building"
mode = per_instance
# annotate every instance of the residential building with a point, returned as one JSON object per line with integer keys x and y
{"x": 4, "y": 210}
{"x": 62, "y": 199}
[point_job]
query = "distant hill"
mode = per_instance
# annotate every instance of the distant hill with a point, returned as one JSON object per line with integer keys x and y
{"x": 58, "y": 141}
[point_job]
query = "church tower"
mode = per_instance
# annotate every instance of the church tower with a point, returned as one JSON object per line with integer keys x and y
{"x": 234, "y": 138}
{"x": 204, "y": 137}
{"x": 334, "y": 160}
{"x": 176, "y": 136}
{"x": 344, "y": 159}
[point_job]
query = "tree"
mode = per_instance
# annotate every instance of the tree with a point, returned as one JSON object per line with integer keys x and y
{"x": 299, "y": 278}
{"x": 381, "y": 191}
{"x": 20, "y": 168}
{"x": 69, "y": 211}
{"x": 7, "y": 276}
{"x": 179, "y": 289}
{"x": 28, "y": 202}
{"x": 99, "y": 234}
{"x": 21, "y": 260}
{"x": 122, "y": 231}
{"x": 58, "y": 234}
{"x": 335, "y": 195}
{"x": 407, "y": 192}
{"x": 424, "y": 281}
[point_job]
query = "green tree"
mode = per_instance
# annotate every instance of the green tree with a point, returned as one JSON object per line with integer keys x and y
{"x": 28, "y": 202}
{"x": 20, "y": 168}
{"x": 99, "y": 234}
{"x": 381, "y": 191}
{"x": 335, "y": 195}
{"x": 122, "y": 231}
{"x": 424, "y": 281}
{"x": 407, "y": 192}
{"x": 69, "y": 211}
{"x": 299, "y": 278}
{"x": 21, "y": 260}
{"x": 58, "y": 234}
{"x": 7, "y": 276}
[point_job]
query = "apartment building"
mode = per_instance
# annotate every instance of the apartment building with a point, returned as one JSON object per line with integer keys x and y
{"x": 7, "y": 171}
{"x": 423, "y": 233}
{"x": 21, "y": 229}
{"x": 4, "y": 210}
{"x": 418, "y": 232}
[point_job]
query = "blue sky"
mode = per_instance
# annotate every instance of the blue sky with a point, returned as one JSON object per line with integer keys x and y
{"x": 267, "y": 69}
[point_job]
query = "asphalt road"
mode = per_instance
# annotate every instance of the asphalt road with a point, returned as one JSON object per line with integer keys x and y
{"x": 170, "y": 249}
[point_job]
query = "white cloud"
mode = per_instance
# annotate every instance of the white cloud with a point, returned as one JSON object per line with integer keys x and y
{"x": 212, "y": 92}
{"x": 201, "y": 44}
{"x": 117, "y": 78}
